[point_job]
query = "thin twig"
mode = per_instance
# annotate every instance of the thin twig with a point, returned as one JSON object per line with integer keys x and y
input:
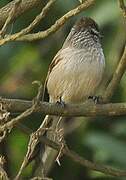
{"x": 120, "y": 70}
{"x": 41, "y": 35}
{"x": 58, "y": 24}
{"x": 3, "y": 174}
{"x": 123, "y": 7}
{"x": 33, "y": 142}
{"x": 7, "y": 127}
{"x": 10, "y": 17}
{"x": 84, "y": 162}
{"x": 25, "y": 6}
{"x": 31, "y": 26}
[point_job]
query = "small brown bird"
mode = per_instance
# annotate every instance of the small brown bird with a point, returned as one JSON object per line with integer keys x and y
{"x": 76, "y": 71}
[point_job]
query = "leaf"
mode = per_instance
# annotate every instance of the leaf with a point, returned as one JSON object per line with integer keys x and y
{"x": 106, "y": 147}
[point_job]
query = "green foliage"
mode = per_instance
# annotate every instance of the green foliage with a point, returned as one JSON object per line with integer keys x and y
{"x": 107, "y": 148}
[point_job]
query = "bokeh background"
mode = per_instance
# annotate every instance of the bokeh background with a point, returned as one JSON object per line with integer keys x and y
{"x": 102, "y": 139}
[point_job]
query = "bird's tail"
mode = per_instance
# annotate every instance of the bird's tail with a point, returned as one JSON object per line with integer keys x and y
{"x": 54, "y": 133}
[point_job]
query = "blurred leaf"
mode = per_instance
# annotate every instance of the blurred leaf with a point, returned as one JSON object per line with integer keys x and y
{"x": 119, "y": 128}
{"x": 67, "y": 4}
{"x": 106, "y": 147}
{"x": 107, "y": 12}
{"x": 17, "y": 148}
{"x": 3, "y": 2}
{"x": 24, "y": 68}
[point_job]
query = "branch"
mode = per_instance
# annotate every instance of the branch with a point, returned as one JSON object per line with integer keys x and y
{"x": 87, "y": 109}
{"x": 77, "y": 158}
{"x": 32, "y": 25}
{"x": 59, "y": 23}
{"x": 123, "y": 7}
{"x": 72, "y": 155}
{"x": 23, "y": 7}
{"x": 86, "y": 163}
{"x": 41, "y": 35}
{"x": 120, "y": 70}
{"x": 10, "y": 17}
{"x": 3, "y": 174}
{"x": 9, "y": 125}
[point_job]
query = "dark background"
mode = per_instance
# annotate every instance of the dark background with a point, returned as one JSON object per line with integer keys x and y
{"x": 102, "y": 139}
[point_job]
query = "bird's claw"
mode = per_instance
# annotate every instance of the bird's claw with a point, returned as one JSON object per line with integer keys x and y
{"x": 96, "y": 99}
{"x": 61, "y": 102}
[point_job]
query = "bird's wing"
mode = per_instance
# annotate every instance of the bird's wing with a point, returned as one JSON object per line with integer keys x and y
{"x": 54, "y": 62}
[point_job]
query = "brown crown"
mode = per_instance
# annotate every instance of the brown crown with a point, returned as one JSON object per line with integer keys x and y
{"x": 84, "y": 23}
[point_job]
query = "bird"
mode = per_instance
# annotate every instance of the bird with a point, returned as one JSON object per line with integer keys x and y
{"x": 75, "y": 73}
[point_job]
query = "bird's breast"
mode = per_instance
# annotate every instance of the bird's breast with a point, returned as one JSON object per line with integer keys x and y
{"x": 76, "y": 76}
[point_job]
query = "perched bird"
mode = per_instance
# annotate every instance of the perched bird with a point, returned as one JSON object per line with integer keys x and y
{"x": 75, "y": 72}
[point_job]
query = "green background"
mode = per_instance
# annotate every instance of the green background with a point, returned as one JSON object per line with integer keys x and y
{"x": 102, "y": 139}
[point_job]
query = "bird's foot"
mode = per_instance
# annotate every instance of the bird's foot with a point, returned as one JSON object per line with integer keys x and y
{"x": 61, "y": 102}
{"x": 96, "y": 99}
